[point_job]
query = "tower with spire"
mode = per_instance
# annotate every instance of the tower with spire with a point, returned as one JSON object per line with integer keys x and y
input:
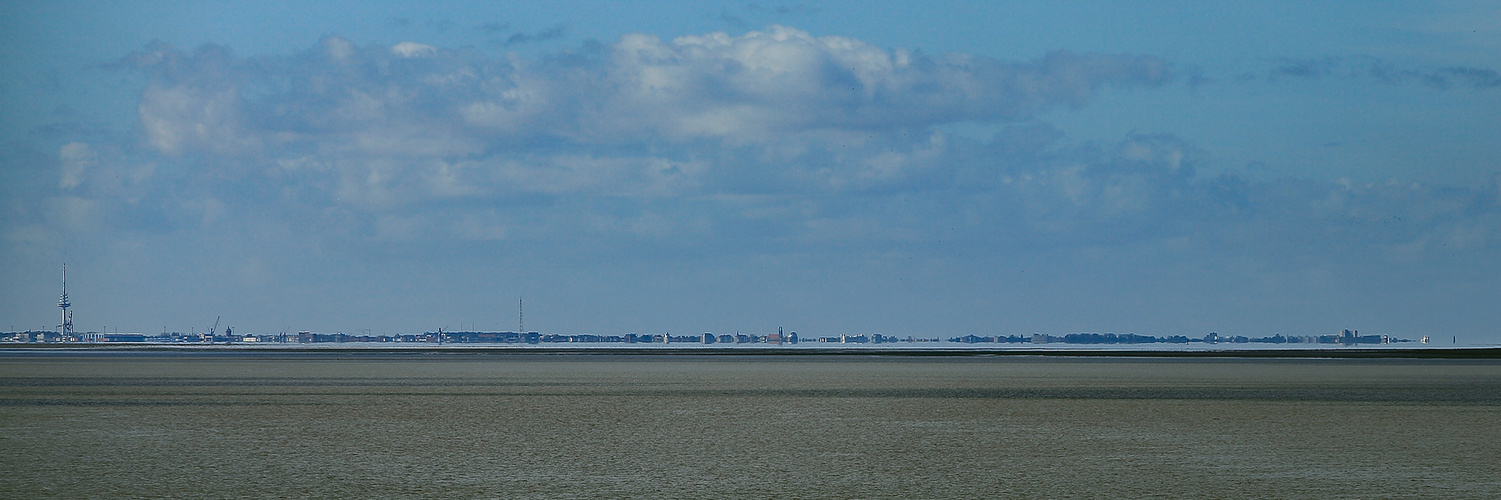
{"x": 65, "y": 330}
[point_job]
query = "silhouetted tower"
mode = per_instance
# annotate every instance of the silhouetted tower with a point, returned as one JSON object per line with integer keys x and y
{"x": 520, "y": 317}
{"x": 66, "y": 328}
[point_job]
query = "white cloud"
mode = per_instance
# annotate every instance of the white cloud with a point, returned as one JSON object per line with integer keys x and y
{"x": 447, "y": 180}
{"x": 597, "y": 176}
{"x": 413, "y": 49}
{"x": 337, "y": 48}
{"x": 183, "y": 118}
{"x": 785, "y": 80}
{"x": 77, "y": 158}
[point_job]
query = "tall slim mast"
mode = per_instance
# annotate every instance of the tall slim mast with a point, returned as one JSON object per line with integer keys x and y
{"x": 520, "y": 317}
{"x": 66, "y": 328}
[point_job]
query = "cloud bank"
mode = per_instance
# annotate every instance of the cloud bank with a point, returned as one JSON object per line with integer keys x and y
{"x": 773, "y": 144}
{"x": 770, "y": 135}
{"x": 375, "y": 129}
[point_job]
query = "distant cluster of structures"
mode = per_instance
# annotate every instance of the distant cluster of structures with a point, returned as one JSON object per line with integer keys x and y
{"x": 438, "y": 337}
{"x": 65, "y": 333}
{"x": 442, "y": 337}
{"x": 1345, "y": 337}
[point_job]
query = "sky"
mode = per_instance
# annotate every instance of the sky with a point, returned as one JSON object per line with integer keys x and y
{"x": 904, "y": 168}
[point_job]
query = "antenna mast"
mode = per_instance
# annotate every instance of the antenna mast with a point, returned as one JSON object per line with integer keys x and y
{"x": 520, "y": 317}
{"x": 66, "y": 328}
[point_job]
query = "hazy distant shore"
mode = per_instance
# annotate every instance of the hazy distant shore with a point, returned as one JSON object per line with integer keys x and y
{"x": 1459, "y": 352}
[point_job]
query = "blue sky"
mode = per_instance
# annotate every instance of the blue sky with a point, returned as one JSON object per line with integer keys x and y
{"x": 831, "y": 167}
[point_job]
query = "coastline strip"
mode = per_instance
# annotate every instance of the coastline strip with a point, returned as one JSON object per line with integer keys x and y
{"x": 26, "y": 350}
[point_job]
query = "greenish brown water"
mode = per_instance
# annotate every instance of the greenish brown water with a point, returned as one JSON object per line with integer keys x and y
{"x": 507, "y": 426}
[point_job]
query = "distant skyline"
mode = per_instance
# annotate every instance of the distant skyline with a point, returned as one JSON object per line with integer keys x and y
{"x": 904, "y": 168}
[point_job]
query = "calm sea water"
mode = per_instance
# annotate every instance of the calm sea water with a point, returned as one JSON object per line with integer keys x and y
{"x": 508, "y": 426}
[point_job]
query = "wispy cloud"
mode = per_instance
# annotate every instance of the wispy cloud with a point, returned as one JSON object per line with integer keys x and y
{"x": 494, "y": 27}
{"x": 555, "y": 32}
{"x": 1380, "y": 70}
